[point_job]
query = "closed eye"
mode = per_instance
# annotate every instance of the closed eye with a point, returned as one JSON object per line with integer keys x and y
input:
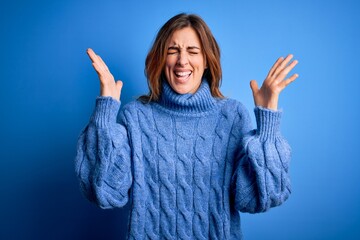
{"x": 172, "y": 50}
{"x": 193, "y": 50}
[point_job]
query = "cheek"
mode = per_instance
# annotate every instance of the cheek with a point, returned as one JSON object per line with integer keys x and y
{"x": 167, "y": 66}
{"x": 167, "y": 70}
{"x": 170, "y": 61}
{"x": 199, "y": 63}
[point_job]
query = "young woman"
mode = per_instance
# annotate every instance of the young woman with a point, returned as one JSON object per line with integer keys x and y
{"x": 185, "y": 157}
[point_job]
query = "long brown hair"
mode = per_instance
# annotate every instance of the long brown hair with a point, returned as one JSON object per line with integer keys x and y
{"x": 156, "y": 58}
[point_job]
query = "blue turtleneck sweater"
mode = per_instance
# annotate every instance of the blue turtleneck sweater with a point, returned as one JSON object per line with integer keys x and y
{"x": 187, "y": 164}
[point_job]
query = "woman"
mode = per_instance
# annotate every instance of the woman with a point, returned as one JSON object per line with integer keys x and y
{"x": 185, "y": 157}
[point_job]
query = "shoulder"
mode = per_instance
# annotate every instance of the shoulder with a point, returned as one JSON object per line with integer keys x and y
{"x": 130, "y": 111}
{"x": 134, "y": 106}
{"x": 234, "y": 107}
{"x": 239, "y": 115}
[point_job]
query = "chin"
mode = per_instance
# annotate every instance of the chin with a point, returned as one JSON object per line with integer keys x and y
{"x": 182, "y": 90}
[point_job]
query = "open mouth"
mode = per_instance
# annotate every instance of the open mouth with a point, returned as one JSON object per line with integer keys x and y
{"x": 182, "y": 75}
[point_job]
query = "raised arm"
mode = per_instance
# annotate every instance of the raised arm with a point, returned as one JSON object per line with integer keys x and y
{"x": 103, "y": 159}
{"x": 261, "y": 177}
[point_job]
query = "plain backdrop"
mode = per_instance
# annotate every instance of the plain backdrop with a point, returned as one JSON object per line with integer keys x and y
{"x": 48, "y": 90}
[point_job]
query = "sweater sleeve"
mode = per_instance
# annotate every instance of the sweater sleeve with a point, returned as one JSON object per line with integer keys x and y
{"x": 261, "y": 176}
{"x": 102, "y": 162}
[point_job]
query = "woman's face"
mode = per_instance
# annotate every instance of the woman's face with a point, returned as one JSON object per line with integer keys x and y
{"x": 185, "y": 61}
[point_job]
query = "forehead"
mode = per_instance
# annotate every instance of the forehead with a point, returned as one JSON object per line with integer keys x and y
{"x": 185, "y": 37}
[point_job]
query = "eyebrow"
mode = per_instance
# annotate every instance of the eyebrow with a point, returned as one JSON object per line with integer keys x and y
{"x": 188, "y": 48}
{"x": 193, "y": 47}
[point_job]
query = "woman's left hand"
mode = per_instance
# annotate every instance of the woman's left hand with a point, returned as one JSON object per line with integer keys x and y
{"x": 268, "y": 95}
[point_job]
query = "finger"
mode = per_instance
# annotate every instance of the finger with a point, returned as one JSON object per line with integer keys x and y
{"x": 119, "y": 85}
{"x": 254, "y": 86}
{"x": 103, "y": 63}
{"x": 286, "y": 70}
{"x": 92, "y": 55}
{"x": 97, "y": 68}
{"x": 96, "y": 59}
{"x": 286, "y": 82}
{"x": 283, "y": 64}
{"x": 276, "y": 64}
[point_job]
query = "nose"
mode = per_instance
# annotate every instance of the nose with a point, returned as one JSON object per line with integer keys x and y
{"x": 182, "y": 59}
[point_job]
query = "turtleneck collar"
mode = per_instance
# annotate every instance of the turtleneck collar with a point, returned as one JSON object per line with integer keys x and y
{"x": 199, "y": 102}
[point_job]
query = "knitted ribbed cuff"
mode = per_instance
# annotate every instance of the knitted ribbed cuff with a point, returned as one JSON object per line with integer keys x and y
{"x": 268, "y": 123}
{"x": 106, "y": 110}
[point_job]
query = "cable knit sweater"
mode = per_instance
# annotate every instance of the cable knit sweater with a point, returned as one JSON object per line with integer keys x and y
{"x": 187, "y": 163}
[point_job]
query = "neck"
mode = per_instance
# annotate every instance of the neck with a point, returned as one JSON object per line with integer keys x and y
{"x": 199, "y": 102}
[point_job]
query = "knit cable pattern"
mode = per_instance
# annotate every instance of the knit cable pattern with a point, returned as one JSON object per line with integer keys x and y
{"x": 188, "y": 163}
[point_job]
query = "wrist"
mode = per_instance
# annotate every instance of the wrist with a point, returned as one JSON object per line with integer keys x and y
{"x": 115, "y": 96}
{"x": 271, "y": 103}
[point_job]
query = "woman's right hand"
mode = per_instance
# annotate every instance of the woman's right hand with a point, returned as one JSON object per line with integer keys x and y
{"x": 108, "y": 86}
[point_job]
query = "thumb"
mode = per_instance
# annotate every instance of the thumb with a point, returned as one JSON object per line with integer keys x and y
{"x": 254, "y": 86}
{"x": 119, "y": 85}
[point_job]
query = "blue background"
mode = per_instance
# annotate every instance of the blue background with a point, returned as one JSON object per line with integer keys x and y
{"x": 48, "y": 90}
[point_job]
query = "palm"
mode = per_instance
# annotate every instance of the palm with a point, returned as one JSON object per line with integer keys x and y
{"x": 267, "y": 96}
{"x": 108, "y": 86}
